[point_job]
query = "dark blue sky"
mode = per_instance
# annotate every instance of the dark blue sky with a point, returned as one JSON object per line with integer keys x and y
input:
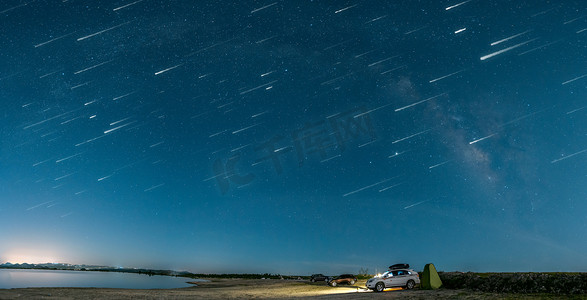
{"x": 294, "y": 137}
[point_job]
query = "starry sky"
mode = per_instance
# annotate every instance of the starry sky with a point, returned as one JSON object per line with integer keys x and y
{"x": 294, "y": 137}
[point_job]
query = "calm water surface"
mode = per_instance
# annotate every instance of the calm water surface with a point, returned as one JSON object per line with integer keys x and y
{"x": 12, "y": 278}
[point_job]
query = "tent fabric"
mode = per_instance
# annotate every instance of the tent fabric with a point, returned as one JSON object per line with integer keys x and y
{"x": 430, "y": 279}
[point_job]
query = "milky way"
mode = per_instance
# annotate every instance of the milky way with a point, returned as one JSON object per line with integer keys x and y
{"x": 294, "y": 137}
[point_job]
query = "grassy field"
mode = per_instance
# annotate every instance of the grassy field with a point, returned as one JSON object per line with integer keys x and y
{"x": 556, "y": 283}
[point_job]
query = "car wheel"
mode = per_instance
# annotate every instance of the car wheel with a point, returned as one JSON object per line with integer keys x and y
{"x": 379, "y": 287}
{"x": 313, "y": 280}
{"x": 352, "y": 282}
{"x": 333, "y": 283}
{"x": 410, "y": 285}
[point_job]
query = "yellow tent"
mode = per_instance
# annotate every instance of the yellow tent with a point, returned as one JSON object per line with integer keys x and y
{"x": 430, "y": 279}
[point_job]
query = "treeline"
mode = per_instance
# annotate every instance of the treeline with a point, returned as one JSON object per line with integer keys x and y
{"x": 149, "y": 272}
{"x": 243, "y": 276}
{"x": 363, "y": 274}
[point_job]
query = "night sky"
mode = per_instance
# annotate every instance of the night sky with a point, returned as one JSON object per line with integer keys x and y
{"x": 294, "y": 137}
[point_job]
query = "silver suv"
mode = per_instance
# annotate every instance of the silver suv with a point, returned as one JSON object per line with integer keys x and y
{"x": 407, "y": 278}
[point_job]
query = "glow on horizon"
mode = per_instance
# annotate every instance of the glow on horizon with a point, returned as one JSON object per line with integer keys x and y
{"x": 21, "y": 259}
{"x": 31, "y": 256}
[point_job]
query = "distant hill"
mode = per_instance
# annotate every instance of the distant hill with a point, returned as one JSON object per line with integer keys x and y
{"x": 82, "y": 267}
{"x": 52, "y": 266}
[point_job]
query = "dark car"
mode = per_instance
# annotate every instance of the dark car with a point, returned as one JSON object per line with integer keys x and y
{"x": 318, "y": 277}
{"x": 344, "y": 278}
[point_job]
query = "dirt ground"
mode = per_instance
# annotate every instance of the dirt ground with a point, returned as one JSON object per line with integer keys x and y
{"x": 251, "y": 289}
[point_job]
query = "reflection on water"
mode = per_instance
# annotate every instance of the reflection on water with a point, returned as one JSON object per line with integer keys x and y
{"x": 12, "y": 278}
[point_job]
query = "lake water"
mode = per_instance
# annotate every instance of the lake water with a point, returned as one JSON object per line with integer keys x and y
{"x": 13, "y": 278}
